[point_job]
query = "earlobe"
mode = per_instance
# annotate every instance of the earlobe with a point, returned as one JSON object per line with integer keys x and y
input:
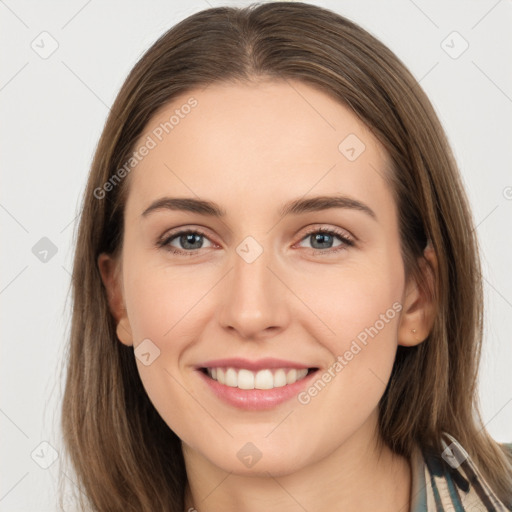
{"x": 111, "y": 277}
{"x": 124, "y": 332}
{"x": 419, "y": 304}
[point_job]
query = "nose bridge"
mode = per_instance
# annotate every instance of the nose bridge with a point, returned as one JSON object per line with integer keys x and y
{"x": 254, "y": 298}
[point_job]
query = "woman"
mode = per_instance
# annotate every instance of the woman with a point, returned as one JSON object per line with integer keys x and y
{"x": 250, "y": 370}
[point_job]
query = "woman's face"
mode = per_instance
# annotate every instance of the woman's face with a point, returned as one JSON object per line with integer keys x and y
{"x": 262, "y": 293}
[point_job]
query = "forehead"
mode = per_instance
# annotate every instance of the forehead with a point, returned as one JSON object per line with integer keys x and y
{"x": 261, "y": 140}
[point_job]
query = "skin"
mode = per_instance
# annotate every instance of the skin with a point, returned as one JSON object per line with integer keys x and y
{"x": 251, "y": 148}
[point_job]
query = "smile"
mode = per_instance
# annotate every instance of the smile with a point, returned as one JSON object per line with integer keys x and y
{"x": 254, "y": 385}
{"x": 243, "y": 378}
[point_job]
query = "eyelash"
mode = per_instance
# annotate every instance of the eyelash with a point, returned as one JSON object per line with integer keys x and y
{"x": 347, "y": 242}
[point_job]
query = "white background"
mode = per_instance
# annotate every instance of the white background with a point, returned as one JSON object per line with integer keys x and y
{"x": 53, "y": 111}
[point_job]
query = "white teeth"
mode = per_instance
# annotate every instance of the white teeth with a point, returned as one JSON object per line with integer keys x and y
{"x": 245, "y": 379}
{"x": 263, "y": 379}
{"x": 291, "y": 376}
{"x": 279, "y": 379}
{"x": 231, "y": 378}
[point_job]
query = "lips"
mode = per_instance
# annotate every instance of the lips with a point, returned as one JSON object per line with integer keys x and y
{"x": 261, "y": 364}
{"x": 255, "y": 385}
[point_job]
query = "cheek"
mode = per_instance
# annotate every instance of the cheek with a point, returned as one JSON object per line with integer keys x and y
{"x": 353, "y": 300}
{"x": 161, "y": 309}
{"x": 362, "y": 306}
{"x": 364, "y": 346}
{"x": 159, "y": 301}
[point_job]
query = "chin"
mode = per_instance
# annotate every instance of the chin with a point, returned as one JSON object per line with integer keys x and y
{"x": 260, "y": 457}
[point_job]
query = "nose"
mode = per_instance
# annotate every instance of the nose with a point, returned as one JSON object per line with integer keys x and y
{"x": 254, "y": 299}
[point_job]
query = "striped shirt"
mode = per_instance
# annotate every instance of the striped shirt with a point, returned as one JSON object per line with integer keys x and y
{"x": 451, "y": 485}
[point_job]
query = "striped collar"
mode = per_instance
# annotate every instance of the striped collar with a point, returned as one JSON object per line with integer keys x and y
{"x": 449, "y": 481}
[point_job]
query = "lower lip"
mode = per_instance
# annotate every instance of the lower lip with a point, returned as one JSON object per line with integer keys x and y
{"x": 256, "y": 399}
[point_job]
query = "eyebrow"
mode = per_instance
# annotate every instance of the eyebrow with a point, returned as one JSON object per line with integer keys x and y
{"x": 294, "y": 207}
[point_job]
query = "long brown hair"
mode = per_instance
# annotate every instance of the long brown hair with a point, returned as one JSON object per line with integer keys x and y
{"x": 124, "y": 454}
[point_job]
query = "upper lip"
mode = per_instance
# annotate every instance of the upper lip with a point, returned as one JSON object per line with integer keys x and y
{"x": 259, "y": 364}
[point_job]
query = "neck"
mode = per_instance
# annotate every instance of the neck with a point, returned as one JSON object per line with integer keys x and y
{"x": 358, "y": 475}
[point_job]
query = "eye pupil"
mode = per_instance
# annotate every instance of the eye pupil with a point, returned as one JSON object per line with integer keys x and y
{"x": 191, "y": 238}
{"x": 321, "y": 238}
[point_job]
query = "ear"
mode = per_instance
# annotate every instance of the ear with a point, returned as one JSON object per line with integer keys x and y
{"x": 419, "y": 304}
{"x": 111, "y": 276}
